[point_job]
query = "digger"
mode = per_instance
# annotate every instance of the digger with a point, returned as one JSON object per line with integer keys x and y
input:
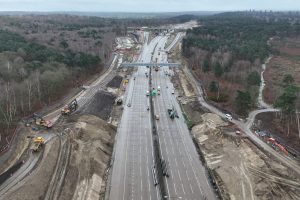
{"x": 70, "y": 108}
{"x": 40, "y": 121}
{"x": 38, "y": 142}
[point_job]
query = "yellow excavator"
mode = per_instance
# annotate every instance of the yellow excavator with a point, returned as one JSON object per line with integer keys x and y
{"x": 70, "y": 108}
{"x": 38, "y": 142}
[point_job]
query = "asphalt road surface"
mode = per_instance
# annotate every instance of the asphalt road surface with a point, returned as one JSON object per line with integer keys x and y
{"x": 131, "y": 176}
{"x": 188, "y": 178}
{"x": 133, "y": 155}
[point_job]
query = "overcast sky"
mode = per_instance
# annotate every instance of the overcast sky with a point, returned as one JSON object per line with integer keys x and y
{"x": 146, "y": 5}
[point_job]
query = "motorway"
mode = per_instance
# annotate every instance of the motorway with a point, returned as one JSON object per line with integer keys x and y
{"x": 188, "y": 178}
{"x": 131, "y": 176}
{"x": 133, "y": 159}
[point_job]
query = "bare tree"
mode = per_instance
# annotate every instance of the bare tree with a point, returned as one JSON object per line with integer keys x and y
{"x": 29, "y": 90}
{"x": 298, "y": 123}
{"x": 9, "y": 108}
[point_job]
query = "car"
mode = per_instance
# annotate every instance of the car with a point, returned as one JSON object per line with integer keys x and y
{"x": 173, "y": 91}
{"x": 129, "y": 104}
{"x": 147, "y": 93}
{"x": 158, "y": 88}
{"x": 228, "y": 116}
{"x": 157, "y": 117}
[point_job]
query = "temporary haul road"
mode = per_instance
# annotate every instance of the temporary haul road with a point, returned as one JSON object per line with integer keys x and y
{"x": 133, "y": 159}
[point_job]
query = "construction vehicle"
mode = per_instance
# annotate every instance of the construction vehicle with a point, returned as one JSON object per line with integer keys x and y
{"x": 276, "y": 145}
{"x": 38, "y": 142}
{"x": 71, "y": 107}
{"x": 172, "y": 113}
{"x": 40, "y": 121}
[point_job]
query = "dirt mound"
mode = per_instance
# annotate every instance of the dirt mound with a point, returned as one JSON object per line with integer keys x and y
{"x": 241, "y": 170}
{"x": 74, "y": 164}
{"x": 101, "y": 105}
{"x": 92, "y": 147}
{"x": 193, "y": 109}
{"x": 115, "y": 82}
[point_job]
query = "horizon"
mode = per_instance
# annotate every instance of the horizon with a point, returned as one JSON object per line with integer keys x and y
{"x": 144, "y": 6}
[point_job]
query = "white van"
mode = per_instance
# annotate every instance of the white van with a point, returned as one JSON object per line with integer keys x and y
{"x": 228, "y": 116}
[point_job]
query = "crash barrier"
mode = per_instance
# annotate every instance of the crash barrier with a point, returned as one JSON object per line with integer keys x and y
{"x": 158, "y": 165}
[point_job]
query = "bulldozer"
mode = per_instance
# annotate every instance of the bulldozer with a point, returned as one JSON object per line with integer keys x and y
{"x": 172, "y": 113}
{"x": 40, "y": 121}
{"x": 38, "y": 142}
{"x": 70, "y": 108}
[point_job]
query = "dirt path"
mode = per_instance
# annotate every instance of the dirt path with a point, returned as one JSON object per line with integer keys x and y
{"x": 261, "y": 102}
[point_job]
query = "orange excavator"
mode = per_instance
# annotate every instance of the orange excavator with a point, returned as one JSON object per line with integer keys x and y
{"x": 277, "y": 146}
{"x": 70, "y": 108}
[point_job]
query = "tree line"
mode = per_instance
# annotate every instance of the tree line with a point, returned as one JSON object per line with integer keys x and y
{"x": 33, "y": 75}
{"x": 232, "y": 47}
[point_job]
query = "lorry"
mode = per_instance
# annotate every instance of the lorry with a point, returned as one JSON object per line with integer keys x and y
{"x": 172, "y": 113}
{"x": 38, "y": 142}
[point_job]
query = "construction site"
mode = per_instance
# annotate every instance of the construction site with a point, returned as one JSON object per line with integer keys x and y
{"x": 66, "y": 151}
{"x": 239, "y": 168}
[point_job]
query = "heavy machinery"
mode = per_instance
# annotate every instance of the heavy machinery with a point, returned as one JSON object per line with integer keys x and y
{"x": 40, "y": 121}
{"x": 172, "y": 113}
{"x": 38, "y": 142}
{"x": 71, "y": 107}
{"x": 276, "y": 145}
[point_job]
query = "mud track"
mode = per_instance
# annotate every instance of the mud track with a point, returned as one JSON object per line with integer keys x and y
{"x": 59, "y": 173}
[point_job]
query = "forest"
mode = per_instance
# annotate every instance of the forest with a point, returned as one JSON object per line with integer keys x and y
{"x": 43, "y": 57}
{"x": 226, "y": 52}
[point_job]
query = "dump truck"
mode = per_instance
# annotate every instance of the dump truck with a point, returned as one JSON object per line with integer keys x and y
{"x": 38, "y": 142}
{"x": 172, "y": 113}
{"x": 40, "y": 121}
{"x": 70, "y": 108}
